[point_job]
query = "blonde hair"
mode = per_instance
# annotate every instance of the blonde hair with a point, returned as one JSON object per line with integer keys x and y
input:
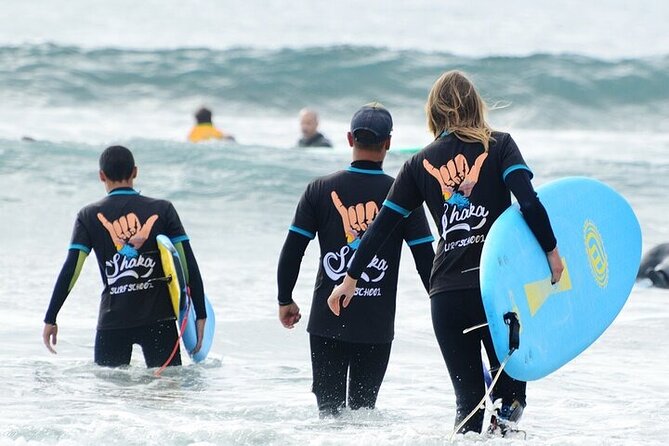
{"x": 455, "y": 106}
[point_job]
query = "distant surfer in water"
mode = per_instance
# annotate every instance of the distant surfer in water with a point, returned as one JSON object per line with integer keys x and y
{"x": 465, "y": 177}
{"x": 204, "y": 129}
{"x": 339, "y": 208}
{"x": 311, "y": 137}
{"x": 655, "y": 266}
{"x": 135, "y": 307}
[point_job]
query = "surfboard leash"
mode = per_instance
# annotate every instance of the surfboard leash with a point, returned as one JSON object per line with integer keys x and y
{"x": 511, "y": 319}
{"x": 176, "y": 344}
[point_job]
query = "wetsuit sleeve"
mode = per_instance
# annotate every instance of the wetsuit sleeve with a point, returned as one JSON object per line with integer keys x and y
{"x": 177, "y": 235}
{"x": 301, "y": 232}
{"x": 404, "y": 195}
{"x": 418, "y": 236}
{"x": 511, "y": 159}
{"x": 69, "y": 274}
{"x": 423, "y": 256}
{"x": 533, "y": 211}
{"x": 373, "y": 239}
{"x": 305, "y": 222}
{"x": 193, "y": 277}
{"x": 289, "y": 265}
{"x": 173, "y": 227}
{"x": 80, "y": 247}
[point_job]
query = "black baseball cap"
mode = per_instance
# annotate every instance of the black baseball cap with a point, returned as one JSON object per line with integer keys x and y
{"x": 376, "y": 122}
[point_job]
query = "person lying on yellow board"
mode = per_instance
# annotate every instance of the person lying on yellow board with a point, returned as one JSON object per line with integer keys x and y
{"x": 204, "y": 130}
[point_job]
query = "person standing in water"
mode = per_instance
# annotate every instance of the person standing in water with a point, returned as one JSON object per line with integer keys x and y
{"x": 135, "y": 307}
{"x": 204, "y": 129}
{"x": 339, "y": 208}
{"x": 311, "y": 137}
{"x": 465, "y": 177}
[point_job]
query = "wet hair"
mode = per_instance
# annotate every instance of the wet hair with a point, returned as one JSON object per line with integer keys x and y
{"x": 117, "y": 163}
{"x": 361, "y": 137}
{"x": 455, "y": 106}
{"x": 203, "y": 116}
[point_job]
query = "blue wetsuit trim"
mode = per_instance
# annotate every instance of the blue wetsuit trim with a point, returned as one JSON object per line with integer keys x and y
{"x": 428, "y": 239}
{"x": 365, "y": 171}
{"x": 179, "y": 239}
{"x": 123, "y": 192}
{"x": 514, "y": 168}
{"x": 79, "y": 247}
{"x": 303, "y": 232}
{"x": 397, "y": 208}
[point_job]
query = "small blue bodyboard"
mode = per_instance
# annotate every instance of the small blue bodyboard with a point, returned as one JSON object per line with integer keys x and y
{"x": 181, "y": 301}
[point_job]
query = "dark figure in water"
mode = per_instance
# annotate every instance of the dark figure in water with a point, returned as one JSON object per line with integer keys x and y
{"x": 311, "y": 137}
{"x": 655, "y": 266}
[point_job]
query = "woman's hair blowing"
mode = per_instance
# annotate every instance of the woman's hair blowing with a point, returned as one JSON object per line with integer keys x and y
{"x": 455, "y": 106}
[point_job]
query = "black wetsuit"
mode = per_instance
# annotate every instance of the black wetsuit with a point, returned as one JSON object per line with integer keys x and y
{"x": 465, "y": 189}
{"x": 135, "y": 307}
{"x": 338, "y": 208}
{"x": 655, "y": 266}
{"x": 317, "y": 140}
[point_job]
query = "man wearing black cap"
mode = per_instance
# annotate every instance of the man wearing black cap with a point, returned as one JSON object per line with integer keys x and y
{"x": 339, "y": 208}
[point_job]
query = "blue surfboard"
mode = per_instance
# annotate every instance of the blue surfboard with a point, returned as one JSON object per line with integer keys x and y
{"x": 182, "y": 304}
{"x": 599, "y": 239}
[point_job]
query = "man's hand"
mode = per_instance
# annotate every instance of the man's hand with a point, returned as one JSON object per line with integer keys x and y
{"x": 355, "y": 219}
{"x": 50, "y": 336}
{"x": 289, "y": 315}
{"x": 343, "y": 291}
{"x": 199, "y": 325}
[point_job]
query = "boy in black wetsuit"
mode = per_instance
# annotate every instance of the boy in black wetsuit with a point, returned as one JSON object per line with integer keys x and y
{"x": 339, "y": 208}
{"x": 135, "y": 307}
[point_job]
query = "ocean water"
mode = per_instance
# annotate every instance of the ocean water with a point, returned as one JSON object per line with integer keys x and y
{"x": 587, "y": 98}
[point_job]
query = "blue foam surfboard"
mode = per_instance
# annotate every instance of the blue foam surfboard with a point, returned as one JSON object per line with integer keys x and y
{"x": 182, "y": 304}
{"x": 599, "y": 239}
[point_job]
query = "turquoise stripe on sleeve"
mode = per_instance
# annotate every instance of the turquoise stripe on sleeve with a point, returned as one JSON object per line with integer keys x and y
{"x": 303, "y": 232}
{"x": 514, "y": 168}
{"x": 397, "y": 208}
{"x": 179, "y": 239}
{"x": 83, "y": 248}
{"x": 428, "y": 239}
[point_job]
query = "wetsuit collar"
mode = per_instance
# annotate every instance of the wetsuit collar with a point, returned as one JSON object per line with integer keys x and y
{"x": 123, "y": 191}
{"x": 444, "y": 133}
{"x": 366, "y": 167}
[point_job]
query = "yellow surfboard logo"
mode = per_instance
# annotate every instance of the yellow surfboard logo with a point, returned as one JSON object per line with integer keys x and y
{"x": 594, "y": 248}
{"x": 538, "y": 292}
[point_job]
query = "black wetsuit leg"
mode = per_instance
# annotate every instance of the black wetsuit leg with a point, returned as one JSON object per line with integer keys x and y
{"x": 113, "y": 348}
{"x": 367, "y": 369}
{"x": 157, "y": 342}
{"x": 333, "y": 360}
{"x": 329, "y": 364}
{"x": 453, "y": 312}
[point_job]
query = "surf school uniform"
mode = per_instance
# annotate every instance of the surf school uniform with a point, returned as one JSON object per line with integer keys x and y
{"x": 465, "y": 189}
{"x": 339, "y": 208}
{"x": 135, "y": 306}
